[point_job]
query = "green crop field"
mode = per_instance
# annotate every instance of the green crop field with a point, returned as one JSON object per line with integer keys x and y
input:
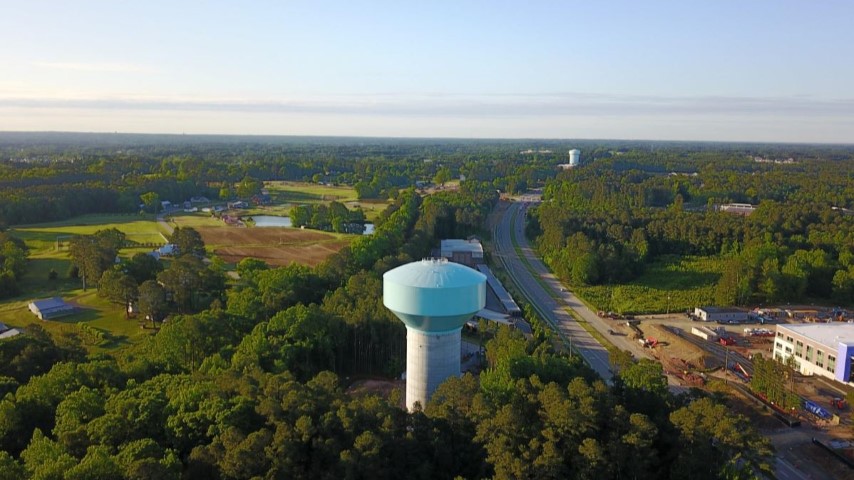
{"x": 670, "y": 284}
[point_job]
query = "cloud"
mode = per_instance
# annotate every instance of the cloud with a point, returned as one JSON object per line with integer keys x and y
{"x": 95, "y": 67}
{"x": 494, "y": 106}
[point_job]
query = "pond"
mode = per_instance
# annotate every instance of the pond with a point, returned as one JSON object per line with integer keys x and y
{"x": 271, "y": 221}
{"x": 274, "y": 221}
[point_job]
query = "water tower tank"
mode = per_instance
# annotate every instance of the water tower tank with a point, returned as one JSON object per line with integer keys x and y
{"x": 574, "y": 157}
{"x": 434, "y": 298}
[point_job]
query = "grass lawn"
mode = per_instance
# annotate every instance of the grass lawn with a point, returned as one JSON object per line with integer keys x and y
{"x": 671, "y": 283}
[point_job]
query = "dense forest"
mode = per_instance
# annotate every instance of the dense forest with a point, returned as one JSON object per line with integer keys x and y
{"x": 604, "y": 222}
{"x": 249, "y": 378}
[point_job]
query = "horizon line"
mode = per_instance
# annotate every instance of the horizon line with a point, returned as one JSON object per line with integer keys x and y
{"x": 418, "y": 137}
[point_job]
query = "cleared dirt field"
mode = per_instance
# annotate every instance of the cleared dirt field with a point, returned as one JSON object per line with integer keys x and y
{"x": 275, "y": 246}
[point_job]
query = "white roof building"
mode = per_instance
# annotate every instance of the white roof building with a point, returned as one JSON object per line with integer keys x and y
{"x": 467, "y": 252}
{"x": 824, "y": 349}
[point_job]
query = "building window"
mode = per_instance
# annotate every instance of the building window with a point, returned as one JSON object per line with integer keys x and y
{"x": 779, "y": 334}
{"x": 778, "y": 346}
{"x": 819, "y": 358}
{"x": 799, "y": 348}
{"x": 831, "y": 363}
{"x": 789, "y": 350}
{"x": 809, "y": 353}
{"x": 790, "y": 339}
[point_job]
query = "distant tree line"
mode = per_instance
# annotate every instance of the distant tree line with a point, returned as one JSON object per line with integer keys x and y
{"x": 41, "y": 183}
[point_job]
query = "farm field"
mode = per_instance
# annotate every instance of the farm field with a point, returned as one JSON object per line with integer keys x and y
{"x": 275, "y": 246}
{"x": 670, "y": 284}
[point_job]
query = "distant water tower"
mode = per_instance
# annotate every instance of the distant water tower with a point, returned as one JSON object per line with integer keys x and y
{"x": 434, "y": 298}
{"x": 574, "y": 157}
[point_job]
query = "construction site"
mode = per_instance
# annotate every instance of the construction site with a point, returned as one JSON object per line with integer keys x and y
{"x": 720, "y": 359}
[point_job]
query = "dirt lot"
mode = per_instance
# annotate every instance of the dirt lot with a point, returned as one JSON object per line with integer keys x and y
{"x": 674, "y": 346}
{"x": 378, "y": 386}
{"x": 276, "y": 246}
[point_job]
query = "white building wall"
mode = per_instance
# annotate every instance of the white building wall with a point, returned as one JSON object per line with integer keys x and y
{"x": 430, "y": 359}
{"x": 784, "y": 348}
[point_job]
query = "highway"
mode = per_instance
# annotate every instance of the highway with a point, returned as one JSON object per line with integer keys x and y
{"x": 551, "y": 303}
{"x": 551, "y": 300}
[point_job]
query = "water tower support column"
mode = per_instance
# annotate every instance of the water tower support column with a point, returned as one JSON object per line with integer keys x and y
{"x": 438, "y": 350}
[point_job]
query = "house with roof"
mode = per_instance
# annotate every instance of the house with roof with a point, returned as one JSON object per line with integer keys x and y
{"x": 49, "y": 308}
{"x": 238, "y": 204}
{"x": 6, "y": 332}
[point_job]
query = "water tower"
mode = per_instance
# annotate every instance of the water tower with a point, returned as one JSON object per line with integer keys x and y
{"x": 574, "y": 157}
{"x": 434, "y": 298}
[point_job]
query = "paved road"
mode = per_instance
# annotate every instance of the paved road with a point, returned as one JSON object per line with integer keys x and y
{"x": 163, "y": 223}
{"x": 786, "y": 471}
{"x": 543, "y": 298}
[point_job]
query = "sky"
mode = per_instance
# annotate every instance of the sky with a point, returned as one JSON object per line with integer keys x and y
{"x": 759, "y": 70}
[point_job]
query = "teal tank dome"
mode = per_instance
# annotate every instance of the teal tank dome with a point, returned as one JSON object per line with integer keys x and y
{"x": 434, "y": 295}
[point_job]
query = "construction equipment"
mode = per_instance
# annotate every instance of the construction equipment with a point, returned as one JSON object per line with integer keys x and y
{"x": 816, "y": 410}
{"x": 741, "y": 372}
{"x": 648, "y": 342}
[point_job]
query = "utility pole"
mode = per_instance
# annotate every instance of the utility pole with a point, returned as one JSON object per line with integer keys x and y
{"x": 726, "y": 364}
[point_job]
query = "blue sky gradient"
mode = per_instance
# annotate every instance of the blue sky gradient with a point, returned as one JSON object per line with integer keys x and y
{"x": 704, "y": 70}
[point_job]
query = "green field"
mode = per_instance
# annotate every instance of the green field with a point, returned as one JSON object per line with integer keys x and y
{"x": 43, "y": 236}
{"x": 44, "y": 256}
{"x": 670, "y": 284}
{"x": 95, "y": 315}
{"x": 287, "y": 194}
{"x": 194, "y": 220}
{"x": 308, "y": 193}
